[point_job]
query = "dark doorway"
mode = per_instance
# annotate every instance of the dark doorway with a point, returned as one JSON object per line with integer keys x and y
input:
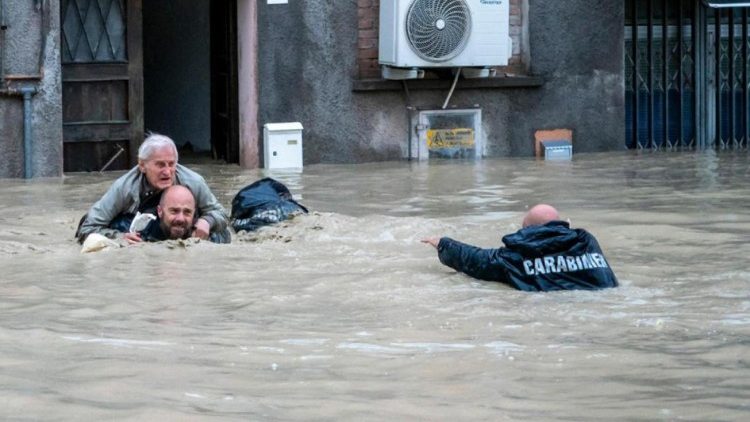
{"x": 102, "y": 83}
{"x": 177, "y": 72}
{"x": 224, "y": 84}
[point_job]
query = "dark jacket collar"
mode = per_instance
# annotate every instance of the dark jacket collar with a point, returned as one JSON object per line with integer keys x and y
{"x": 541, "y": 239}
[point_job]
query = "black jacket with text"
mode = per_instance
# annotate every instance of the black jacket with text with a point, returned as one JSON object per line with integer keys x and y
{"x": 536, "y": 258}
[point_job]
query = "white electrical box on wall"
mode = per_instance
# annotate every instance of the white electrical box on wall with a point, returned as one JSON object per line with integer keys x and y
{"x": 282, "y": 145}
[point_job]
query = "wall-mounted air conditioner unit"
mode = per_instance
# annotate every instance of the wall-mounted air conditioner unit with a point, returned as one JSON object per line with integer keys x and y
{"x": 417, "y": 34}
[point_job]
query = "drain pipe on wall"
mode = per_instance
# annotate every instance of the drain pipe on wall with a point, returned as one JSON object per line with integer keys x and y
{"x": 3, "y": 27}
{"x": 25, "y": 92}
{"x": 409, "y": 109}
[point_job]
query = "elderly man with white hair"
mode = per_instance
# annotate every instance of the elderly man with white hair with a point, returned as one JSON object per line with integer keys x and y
{"x": 139, "y": 190}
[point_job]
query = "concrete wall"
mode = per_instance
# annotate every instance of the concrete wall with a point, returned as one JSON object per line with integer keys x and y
{"x": 308, "y": 62}
{"x": 177, "y": 70}
{"x": 578, "y": 47}
{"x": 30, "y": 48}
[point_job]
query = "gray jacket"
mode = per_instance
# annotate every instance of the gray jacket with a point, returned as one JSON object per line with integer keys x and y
{"x": 127, "y": 192}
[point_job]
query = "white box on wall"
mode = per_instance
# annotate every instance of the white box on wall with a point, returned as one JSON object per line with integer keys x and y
{"x": 282, "y": 145}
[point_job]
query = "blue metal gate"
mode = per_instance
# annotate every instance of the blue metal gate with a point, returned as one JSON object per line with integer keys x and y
{"x": 686, "y": 70}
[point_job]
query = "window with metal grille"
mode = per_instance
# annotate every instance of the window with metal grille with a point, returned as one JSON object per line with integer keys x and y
{"x": 93, "y": 31}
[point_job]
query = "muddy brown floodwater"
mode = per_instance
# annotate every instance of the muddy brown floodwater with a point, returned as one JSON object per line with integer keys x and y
{"x": 344, "y": 315}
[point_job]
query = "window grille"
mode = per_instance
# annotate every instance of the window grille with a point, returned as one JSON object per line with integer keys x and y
{"x": 686, "y": 75}
{"x": 93, "y": 31}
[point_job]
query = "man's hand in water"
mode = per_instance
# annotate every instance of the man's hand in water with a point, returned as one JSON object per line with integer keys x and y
{"x": 132, "y": 238}
{"x": 201, "y": 229}
{"x": 433, "y": 240}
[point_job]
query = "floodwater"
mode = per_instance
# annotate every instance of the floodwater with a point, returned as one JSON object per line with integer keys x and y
{"x": 344, "y": 315}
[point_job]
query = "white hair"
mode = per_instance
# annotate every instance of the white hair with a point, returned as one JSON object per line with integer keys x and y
{"x": 155, "y": 141}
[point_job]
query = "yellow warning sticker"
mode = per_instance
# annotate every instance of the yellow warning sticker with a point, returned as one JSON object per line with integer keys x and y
{"x": 450, "y": 138}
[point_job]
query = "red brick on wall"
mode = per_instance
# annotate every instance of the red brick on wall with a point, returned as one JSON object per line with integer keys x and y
{"x": 368, "y": 13}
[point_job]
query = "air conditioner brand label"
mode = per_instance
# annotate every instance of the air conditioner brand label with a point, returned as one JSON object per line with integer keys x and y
{"x": 450, "y": 138}
{"x": 491, "y": 1}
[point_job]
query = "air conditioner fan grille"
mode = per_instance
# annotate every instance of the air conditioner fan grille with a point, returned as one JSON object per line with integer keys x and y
{"x": 438, "y": 29}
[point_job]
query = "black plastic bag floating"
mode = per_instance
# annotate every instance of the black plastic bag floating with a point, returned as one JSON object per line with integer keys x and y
{"x": 261, "y": 203}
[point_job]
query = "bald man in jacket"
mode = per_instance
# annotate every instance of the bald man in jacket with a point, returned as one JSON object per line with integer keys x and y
{"x": 545, "y": 255}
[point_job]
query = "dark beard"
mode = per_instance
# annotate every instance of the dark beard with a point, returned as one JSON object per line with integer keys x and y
{"x": 181, "y": 231}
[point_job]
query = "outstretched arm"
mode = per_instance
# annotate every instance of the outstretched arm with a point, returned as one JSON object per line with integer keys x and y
{"x": 432, "y": 240}
{"x": 484, "y": 264}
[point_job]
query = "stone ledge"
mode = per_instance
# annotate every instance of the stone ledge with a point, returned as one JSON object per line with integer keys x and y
{"x": 369, "y": 85}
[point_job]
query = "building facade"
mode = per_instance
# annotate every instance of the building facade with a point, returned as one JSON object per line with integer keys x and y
{"x": 84, "y": 80}
{"x": 318, "y": 65}
{"x": 30, "y": 89}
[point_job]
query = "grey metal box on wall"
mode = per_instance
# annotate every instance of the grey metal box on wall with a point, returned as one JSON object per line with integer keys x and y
{"x": 557, "y": 150}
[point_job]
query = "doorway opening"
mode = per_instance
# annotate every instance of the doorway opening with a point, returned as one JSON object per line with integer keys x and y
{"x": 190, "y": 76}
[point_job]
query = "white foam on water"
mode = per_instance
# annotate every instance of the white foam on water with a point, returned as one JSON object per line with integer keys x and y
{"x": 118, "y": 342}
{"x": 372, "y": 348}
{"x": 305, "y": 341}
{"x": 435, "y": 347}
{"x": 503, "y": 347}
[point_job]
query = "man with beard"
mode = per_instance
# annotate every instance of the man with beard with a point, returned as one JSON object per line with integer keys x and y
{"x": 176, "y": 211}
{"x": 140, "y": 189}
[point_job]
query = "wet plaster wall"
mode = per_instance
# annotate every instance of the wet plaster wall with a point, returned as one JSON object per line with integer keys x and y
{"x": 31, "y": 53}
{"x": 307, "y": 65}
{"x": 577, "y": 46}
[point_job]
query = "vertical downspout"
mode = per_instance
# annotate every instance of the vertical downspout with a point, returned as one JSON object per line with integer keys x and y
{"x": 3, "y": 27}
{"x": 409, "y": 108}
{"x": 27, "y": 92}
